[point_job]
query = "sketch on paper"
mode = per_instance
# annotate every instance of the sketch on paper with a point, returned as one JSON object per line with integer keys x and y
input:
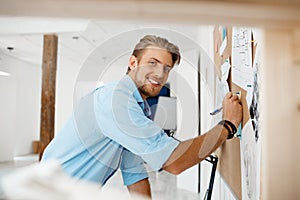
{"x": 254, "y": 107}
{"x": 250, "y": 172}
{"x": 242, "y": 57}
{"x": 250, "y": 163}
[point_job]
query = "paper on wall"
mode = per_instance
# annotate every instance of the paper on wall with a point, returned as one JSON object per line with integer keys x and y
{"x": 223, "y": 36}
{"x": 250, "y": 163}
{"x": 241, "y": 57}
{"x": 253, "y": 97}
{"x": 222, "y": 87}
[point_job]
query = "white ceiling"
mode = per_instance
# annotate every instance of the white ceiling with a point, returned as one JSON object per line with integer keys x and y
{"x": 77, "y": 38}
{"x": 25, "y": 34}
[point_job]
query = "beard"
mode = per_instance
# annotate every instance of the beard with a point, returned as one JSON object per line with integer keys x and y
{"x": 149, "y": 91}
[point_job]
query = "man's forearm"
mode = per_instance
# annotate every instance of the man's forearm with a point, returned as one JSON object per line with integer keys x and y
{"x": 141, "y": 187}
{"x": 193, "y": 151}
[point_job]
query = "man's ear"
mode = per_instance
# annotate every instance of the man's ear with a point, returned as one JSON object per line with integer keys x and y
{"x": 132, "y": 62}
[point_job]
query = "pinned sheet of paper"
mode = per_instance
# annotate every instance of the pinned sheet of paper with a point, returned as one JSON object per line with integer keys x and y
{"x": 222, "y": 85}
{"x": 223, "y": 36}
{"x": 250, "y": 163}
{"x": 241, "y": 57}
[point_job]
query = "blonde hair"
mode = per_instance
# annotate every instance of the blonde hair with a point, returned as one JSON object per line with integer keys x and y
{"x": 152, "y": 40}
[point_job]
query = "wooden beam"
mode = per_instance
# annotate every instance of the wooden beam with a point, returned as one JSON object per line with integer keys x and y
{"x": 48, "y": 91}
{"x": 284, "y": 13}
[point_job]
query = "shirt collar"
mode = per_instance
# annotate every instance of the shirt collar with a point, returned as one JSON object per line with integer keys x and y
{"x": 132, "y": 87}
{"x": 136, "y": 94}
{"x": 147, "y": 109}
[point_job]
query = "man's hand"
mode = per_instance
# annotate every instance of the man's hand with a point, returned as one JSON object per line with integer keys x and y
{"x": 232, "y": 109}
{"x": 190, "y": 152}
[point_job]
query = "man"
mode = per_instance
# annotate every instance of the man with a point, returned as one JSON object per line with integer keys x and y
{"x": 110, "y": 128}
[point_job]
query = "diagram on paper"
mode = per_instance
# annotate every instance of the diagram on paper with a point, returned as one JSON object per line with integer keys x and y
{"x": 250, "y": 163}
{"x": 242, "y": 57}
{"x": 254, "y": 106}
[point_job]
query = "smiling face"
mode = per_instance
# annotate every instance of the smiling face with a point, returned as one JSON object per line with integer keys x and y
{"x": 151, "y": 72}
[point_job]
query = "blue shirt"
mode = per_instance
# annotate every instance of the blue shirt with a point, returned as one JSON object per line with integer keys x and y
{"x": 109, "y": 129}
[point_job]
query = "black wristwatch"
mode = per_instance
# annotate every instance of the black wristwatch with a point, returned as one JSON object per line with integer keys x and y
{"x": 231, "y": 131}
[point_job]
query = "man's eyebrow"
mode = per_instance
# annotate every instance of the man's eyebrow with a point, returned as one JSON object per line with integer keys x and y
{"x": 159, "y": 61}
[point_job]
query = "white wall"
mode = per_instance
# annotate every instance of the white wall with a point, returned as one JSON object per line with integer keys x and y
{"x": 69, "y": 89}
{"x": 7, "y": 116}
{"x": 207, "y": 104}
{"x": 66, "y": 75}
{"x": 186, "y": 91}
{"x": 20, "y": 107}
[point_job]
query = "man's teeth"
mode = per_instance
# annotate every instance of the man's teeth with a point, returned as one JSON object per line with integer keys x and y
{"x": 153, "y": 81}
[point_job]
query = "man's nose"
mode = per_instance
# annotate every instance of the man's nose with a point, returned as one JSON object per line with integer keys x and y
{"x": 159, "y": 71}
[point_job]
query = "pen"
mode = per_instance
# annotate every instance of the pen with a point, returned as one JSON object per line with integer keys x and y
{"x": 216, "y": 111}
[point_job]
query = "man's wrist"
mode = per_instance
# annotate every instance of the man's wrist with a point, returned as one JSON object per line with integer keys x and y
{"x": 230, "y": 127}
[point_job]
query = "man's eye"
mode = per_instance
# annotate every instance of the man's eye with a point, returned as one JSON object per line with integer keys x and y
{"x": 152, "y": 63}
{"x": 167, "y": 69}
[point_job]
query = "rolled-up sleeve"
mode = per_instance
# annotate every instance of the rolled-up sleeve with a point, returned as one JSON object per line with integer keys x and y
{"x": 132, "y": 168}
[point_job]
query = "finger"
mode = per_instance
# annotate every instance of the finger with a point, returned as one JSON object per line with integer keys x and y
{"x": 228, "y": 95}
{"x": 235, "y": 97}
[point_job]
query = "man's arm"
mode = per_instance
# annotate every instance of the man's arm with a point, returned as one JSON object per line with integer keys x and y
{"x": 141, "y": 187}
{"x": 193, "y": 151}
